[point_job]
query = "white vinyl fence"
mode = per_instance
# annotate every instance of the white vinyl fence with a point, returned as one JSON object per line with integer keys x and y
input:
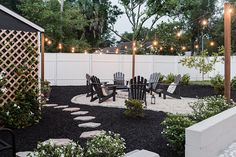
{"x": 64, "y": 69}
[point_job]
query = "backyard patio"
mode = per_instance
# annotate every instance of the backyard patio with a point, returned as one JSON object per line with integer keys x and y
{"x": 164, "y": 86}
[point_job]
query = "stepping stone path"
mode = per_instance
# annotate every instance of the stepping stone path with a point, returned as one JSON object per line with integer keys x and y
{"x": 89, "y": 125}
{"x": 59, "y": 142}
{"x": 50, "y": 105}
{"x": 71, "y": 109}
{"x": 79, "y": 113}
{"x": 84, "y": 118}
{"x": 24, "y": 154}
{"x": 90, "y": 134}
{"x": 61, "y": 106}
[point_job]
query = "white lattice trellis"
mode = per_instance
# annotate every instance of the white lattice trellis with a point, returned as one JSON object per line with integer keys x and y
{"x": 16, "y": 49}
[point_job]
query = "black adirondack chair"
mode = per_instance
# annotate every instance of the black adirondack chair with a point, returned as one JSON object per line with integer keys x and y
{"x": 119, "y": 80}
{"x": 137, "y": 89}
{"x": 88, "y": 85}
{"x": 172, "y": 90}
{"x": 5, "y": 145}
{"x": 153, "y": 81}
{"x": 102, "y": 92}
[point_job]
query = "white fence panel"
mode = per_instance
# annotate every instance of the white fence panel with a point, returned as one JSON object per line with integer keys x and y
{"x": 70, "y": 69}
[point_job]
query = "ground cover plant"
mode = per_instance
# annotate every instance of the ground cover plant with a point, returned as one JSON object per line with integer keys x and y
{"x": 107, "y": 144}
{"x": 175, "y": 124}
{"x": 51, "y": 150}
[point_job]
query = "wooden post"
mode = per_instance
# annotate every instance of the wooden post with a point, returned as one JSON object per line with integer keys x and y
{"x": 227, "y": 44}
{"x": 133, "y": 57}
{"x": 42, "y": 56}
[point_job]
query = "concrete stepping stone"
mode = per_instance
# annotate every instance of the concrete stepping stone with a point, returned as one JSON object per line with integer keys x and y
{"x": 142, "y": 153}
{"x": 59, "y": 142}
{"x": 84, "y": 118}
{"x": 89, "y": 125}
{"x": 61, "y": 106}
{"x": 91, "y": 134}
{"x": 79, "y": 113}
{"x": 24, "y": 154}
{"x": 71, "y": 109}
{"x": 50, "y": 105}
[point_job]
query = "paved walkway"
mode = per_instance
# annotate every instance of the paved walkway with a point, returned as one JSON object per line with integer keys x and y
{"x": 169, "y": 104}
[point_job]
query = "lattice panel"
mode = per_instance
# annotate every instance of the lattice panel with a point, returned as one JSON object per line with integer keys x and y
{"x": 17, "y": 49}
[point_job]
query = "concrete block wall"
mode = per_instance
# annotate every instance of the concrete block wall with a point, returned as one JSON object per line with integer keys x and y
{"x": 211, "y": 136}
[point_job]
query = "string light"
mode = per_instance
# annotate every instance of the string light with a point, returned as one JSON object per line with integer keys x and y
{"x": 49, "y": 42}
{"x": 196, "y": 46}
{"x": 155, "y": 43}
{"x": 46, "y": 39}
{"x": 60, "y": 46}
{"x": 161, "y": 48}
{"x": 230, "y": 10}
{"x": 204, "y": 22}
{"x": 183, "y": 48}
{"x": 134, "y": 44}
{"x": 135, "y": 48}
{"x": 117, "y": 51}
{"x": 72, "y": 49}
{"x": 126, "y": 47}
{"x": 172, "y": 49}
{"x": 179, "y": 34}
{"x": 85, "y": 52}
{"x": 212, "y": 43}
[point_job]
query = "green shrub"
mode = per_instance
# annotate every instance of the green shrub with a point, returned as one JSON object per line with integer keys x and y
{"x": 134, "y": 108}
{"x": 24, "y": 111}
{"x": 218, "y": 84}
{"x": 106, "y": 144}
{"x": 52, "y": 150}
{"x": 161, "y": 79}
{"x": 175, "y": 124}
{"x": 209, "y": 106}
{"x": 233, "y": 83}
{"x": 170, "y": 78}
{"x": 2, "y": 83}
{"x": 45, "y": 91}
{"x": 174, "y": 131}
{"x": 185, "y": 79}
{"x": 16, "y": 115}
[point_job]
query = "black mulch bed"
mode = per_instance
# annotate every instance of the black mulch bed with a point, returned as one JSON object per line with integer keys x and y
{"x": 142, "y": 133}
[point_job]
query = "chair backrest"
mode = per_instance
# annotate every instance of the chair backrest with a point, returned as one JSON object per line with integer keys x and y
{"x": 173, "y": 85}
{"x": 88, "y": 77}
{"x": 177, "y": 79}
{"x": 153, "y": 80}
{"x": 97, "y": 86}
{"x": 119, "y": 78}
{"x": 138, "y": 88}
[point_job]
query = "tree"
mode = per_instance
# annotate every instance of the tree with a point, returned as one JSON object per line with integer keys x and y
{"x": 193, "y": 14}
{"x": 140, "y": 11}
{"x": 60, "y": 27}
{"x": 99, "y": 15}
{"x": 10, "y": 4}
{"x": 202, "y": 63}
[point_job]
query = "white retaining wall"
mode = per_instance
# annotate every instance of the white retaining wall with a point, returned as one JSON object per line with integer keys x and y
{"x": 211, "y": 136}
{"x": 70, "y": 69}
